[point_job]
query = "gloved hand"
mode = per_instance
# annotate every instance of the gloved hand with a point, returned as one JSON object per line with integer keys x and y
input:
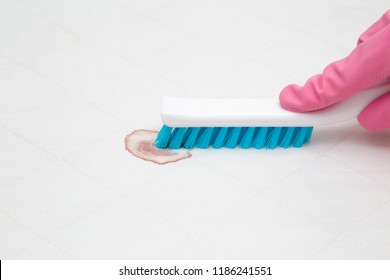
{"x": 367, "y": 65}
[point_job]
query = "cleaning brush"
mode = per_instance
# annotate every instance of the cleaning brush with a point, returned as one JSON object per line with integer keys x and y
{"x": 249, "y": 123}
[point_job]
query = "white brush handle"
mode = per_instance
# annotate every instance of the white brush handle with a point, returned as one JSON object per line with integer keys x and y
{"x": 186, "y": 112}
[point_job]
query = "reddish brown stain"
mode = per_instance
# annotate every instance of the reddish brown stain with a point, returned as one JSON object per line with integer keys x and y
{"x": 140, "y": 143}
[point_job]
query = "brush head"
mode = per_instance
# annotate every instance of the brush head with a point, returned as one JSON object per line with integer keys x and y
{"x": 232, "y": 137}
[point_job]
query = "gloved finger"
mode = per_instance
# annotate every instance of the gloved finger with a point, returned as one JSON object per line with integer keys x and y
{"x": 375, "y": 28}
{"x": 366, "y": 66}
{"x": 376, "y": 116}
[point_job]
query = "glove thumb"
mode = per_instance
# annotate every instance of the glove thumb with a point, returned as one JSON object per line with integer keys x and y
{"x": 376, "y": 116}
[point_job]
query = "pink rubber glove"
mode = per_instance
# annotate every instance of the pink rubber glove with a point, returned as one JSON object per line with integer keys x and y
{"x": 367, "y": 65}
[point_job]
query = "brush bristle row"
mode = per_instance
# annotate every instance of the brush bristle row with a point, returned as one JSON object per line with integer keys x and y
{"x": 231, "y": 137}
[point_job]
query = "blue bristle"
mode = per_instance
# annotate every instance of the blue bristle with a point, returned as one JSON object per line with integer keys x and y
{"x": 308, "y": 134}
{"x": 187, "y": 134}
{"x": 163, "y": 136}
{"x": 261, "y": 136}
{"x": 192, "y": 137}
{"x": 242, "y": 134}
{"x": 177, "y": 138}
{"x": 287, "y": 138}
{"x": 215, "y": 134}
{"x": 204, "y": 139}
{"x": 232, "y": 138}
{"x": 220, "y": 139}
{"x": 246, "y": 140}
{"x": 300, "y": 137}
{"x": 273, "y": 138}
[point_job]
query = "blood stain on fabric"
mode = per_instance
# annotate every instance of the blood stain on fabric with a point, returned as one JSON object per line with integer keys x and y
{"x": 140, "y": 143}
